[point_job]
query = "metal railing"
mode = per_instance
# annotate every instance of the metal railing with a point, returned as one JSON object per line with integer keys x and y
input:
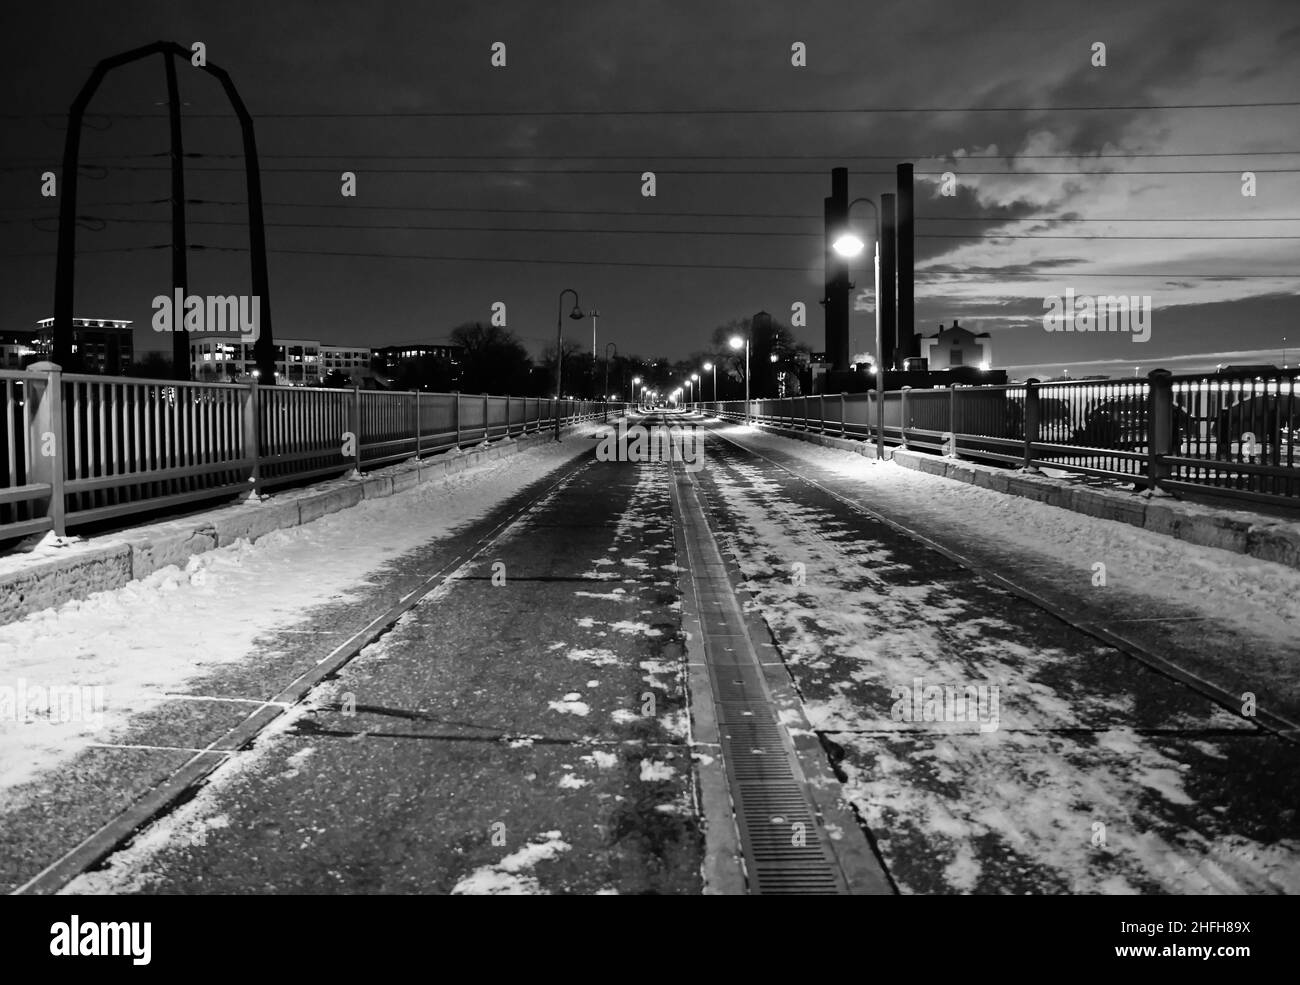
{"x": 77, "y": 450}
{"x": 1233, "y": 435}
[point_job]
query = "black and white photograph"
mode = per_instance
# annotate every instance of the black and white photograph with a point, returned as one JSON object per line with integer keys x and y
{"x": 650, "y": 448}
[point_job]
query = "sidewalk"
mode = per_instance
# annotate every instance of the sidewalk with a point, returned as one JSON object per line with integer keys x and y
{"x": 1232, "y": 618}
{"x": 522, "y": 735}
{"x": 58, "y": 570}
{"x": 1268, "y": 533}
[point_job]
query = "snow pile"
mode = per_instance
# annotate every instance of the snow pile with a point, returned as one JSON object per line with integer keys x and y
{"x": 510, "y": 876}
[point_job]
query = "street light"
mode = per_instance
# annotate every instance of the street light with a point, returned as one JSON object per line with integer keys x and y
{"x": 695, "y": 378}
{"x": 608, "y": 346}
{"x": 594, "y": 315}
{"x": 710, "y": 366}
{"x": 576, "y": 315}
{"x": 848, "y": 244}
{"x": 736, "y": 342}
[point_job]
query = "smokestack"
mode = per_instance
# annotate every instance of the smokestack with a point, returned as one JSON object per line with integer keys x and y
{"x": 836, "y": 216}
{"x": 906, "y": 335}
{"x": 888, "y": 268}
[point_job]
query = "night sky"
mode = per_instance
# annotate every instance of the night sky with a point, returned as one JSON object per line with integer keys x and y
{"x": 526, "y": 178}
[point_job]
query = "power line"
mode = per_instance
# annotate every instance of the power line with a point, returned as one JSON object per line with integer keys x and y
{"x": 351, "y": 206}
{"x": 106, "y": 249}
{"x": 403, "y": 227}
{"x": 54, "y": 205}
{"x": 977, "y": 272}
{"x": 833, "y": 155}
{"x": 719, "y": 111}
{"x": 708, "y": 172}
{"x": 724, "y": 215}
{"x": 1002, "y": 219}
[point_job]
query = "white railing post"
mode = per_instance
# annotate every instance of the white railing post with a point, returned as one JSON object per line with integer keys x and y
{"x": 356, "y": 430}
{"x": 952, "y": 420}
{"x": 45, "y": 452}
{"x": 417, "y": 424}
{"x": 903, "y": 419}
{"x": 251, "y": 416}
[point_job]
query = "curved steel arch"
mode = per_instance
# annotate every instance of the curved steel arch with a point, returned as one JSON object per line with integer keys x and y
{"x": 65, "y": 275}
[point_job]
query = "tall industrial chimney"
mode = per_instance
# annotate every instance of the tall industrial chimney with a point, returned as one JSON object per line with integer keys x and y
{"x": 888, "y": 285}
{"x": 906, "y": 335}
{"x": 837, "y": 273}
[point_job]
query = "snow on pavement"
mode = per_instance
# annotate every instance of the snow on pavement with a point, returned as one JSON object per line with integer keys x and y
{"x": 980, "y": 809}
{"x": 146, "y": 639}
{"x": 1258, "y": 598}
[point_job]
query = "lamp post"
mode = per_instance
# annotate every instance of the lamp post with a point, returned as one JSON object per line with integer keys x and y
{"x": 575, "y": 314}
{"x": 695, "y": 378}
{"x": 594, "y": 315}
{"x": 608, "y": 346}
{"x": 635, "y": 395}
{"x": 850, "y": 245}
{"x": 711, "y": 366}
{"x": 736, "y": 342}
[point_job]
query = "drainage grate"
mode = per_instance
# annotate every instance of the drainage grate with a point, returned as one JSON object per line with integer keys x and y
{"x": 783, "y": 843}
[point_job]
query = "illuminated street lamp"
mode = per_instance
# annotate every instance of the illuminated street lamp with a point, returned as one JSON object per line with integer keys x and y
{"x": 710, "y": 366}
{"x": 576, "y": 315}
{"x": 849, "y": 244}
{"x": 736, "y": 342}
{"x": 636, "y": 381}
{"x": 606, "y": 398}
{"x": 594, "y": 315}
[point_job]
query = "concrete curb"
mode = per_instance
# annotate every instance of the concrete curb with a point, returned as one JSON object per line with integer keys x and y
{"x": 120, "y": 558}
{"x": 1240, "y": 531}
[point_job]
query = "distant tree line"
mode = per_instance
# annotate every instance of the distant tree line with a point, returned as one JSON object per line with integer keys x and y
{"x": 491, "y": 359}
